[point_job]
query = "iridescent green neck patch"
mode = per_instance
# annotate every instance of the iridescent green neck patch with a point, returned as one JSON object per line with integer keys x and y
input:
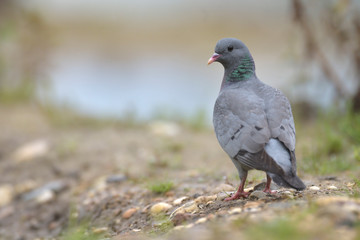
{"x": 244, "y": 71}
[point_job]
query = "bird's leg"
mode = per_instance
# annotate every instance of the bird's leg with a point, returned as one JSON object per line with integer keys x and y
{"x": 267, "y": 186}
{"x": 240, "y": 192}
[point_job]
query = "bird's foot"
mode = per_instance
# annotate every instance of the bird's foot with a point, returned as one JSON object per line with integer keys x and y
{"x": 238, "y": 195}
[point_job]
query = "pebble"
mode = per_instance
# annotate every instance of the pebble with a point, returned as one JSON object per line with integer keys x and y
{"x": 314, "y": 188}
{"x": 178, "y": 201}
{"x": 201, "y": 220}
{"x": 288, "y": 194}
{"x": 350, "y": 184}
{"x": 222, "y": 195}
{"x": 160, "y": 207}
{"x": 99, "y": 230}
{"x": 165, "y": 128}
{"x": 205, "y": 199}
{"x": 332, "y": 187}
{"x": 129, "y": 213}
{"x": 116, "y": 178}
{"x": 235, "y": 211}
{"x": 249, "y": 189}
{"x": 6, "y": 193}
{"x": 136, "y": 230}
{"x": 54, "y": 187}
{"x": 31, "y": 150}
{"x": 179, "y": 227}
{"x": 189, "y": 207}
{"x": 190, "y": 225}
{"x": 223, "y": 188}
{"x": 253, "y": 206}
{"x": 180, "y": 218}
{"x": 45, "y": 196}
{"x": 258, "y": 195}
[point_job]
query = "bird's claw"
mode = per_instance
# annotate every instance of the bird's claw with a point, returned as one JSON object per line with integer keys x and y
{"x": 238, "y": 195}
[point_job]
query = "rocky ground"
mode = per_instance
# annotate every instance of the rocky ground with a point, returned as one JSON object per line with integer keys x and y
{"x": 82, "y": 179}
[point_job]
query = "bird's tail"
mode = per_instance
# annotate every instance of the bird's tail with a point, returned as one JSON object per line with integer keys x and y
{"x": 288, "y": 181}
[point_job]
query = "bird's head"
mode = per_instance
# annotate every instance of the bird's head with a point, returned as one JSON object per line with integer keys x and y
{"x": 229, "y": 51}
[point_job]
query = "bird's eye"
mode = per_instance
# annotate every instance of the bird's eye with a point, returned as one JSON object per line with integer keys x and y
{"x": 230, "y": 48}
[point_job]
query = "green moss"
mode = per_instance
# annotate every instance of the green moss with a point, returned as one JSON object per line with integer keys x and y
{"x": 161, "y": 187}
{"x": 161, "y": 225}
{"x": 22, "y": 93}
{"x": 79, "y": 230}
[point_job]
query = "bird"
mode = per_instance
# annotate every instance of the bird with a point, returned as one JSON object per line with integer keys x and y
{"x": 253, "y": 121}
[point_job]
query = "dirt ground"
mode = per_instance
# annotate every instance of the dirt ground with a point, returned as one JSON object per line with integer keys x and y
{"x": 107, "y": 180}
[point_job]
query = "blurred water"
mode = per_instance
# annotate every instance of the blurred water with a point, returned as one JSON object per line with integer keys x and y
{"x": 147, "y": 86}
{"x": 121, "y": 58}
{"x": 168, "y": 84}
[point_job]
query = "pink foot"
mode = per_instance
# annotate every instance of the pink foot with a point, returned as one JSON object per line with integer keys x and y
{"x": 237, "y": 195}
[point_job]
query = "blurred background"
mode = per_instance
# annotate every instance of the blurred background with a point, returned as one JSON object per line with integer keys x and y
{"x": 107, "y": 106}
{"x": 148, "y": 59}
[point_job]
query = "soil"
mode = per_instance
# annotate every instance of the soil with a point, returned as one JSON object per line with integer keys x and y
{"x": 84, "y": 173}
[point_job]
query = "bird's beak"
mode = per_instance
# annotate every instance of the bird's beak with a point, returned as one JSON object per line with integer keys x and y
{"x": 213, "y": 58}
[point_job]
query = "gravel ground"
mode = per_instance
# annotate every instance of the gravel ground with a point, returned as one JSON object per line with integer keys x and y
{"x": 160, "y": 180}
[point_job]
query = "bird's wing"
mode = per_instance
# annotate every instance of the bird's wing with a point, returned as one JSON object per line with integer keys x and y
{"x": 240, "y": 122}
{"x": 280, "y": 120}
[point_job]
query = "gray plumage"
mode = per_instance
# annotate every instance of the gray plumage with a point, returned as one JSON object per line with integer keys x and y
{"x": 253, "y": 122}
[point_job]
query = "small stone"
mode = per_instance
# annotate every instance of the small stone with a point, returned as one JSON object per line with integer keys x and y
{"x": 178, "y": 201}
{"x": 180, "y": 218}
{"x": 209, "y": 202}
{"x": 190, "y": 225}
{"x": 116, "y": 178}
{"x": 222, "y": 195}
{"x": 31, "y": 150}
{"x": 54, "y": 187}
{"x": 258, "y": 195}
{"x": 100, "y": 183}
{"x": 253, "y": 206}
{"x": 136, "y": 230}
{"x": 188, "y": 207}
{"x": 160, "y": 207}
{"x": 235, "y": 211}
{"x": 99, "y": 230}
{"x": 179, "y": 227}
{"x": 205, "y": 199}
{"x": 129, "y": 213}
{"x": 201, "y": 220}
{"x": 249, "y": 189}
{"x": 223, "y": 188}
{"x": 332, "y": 187}
{"x": 350, "y": 184}
{"x": 165, "y": 128}
{"x": 288, "y": 194}
{"x": 45, "y": 196}
{"x": 6, "y": 194}
{"x": 314, "y": 188}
